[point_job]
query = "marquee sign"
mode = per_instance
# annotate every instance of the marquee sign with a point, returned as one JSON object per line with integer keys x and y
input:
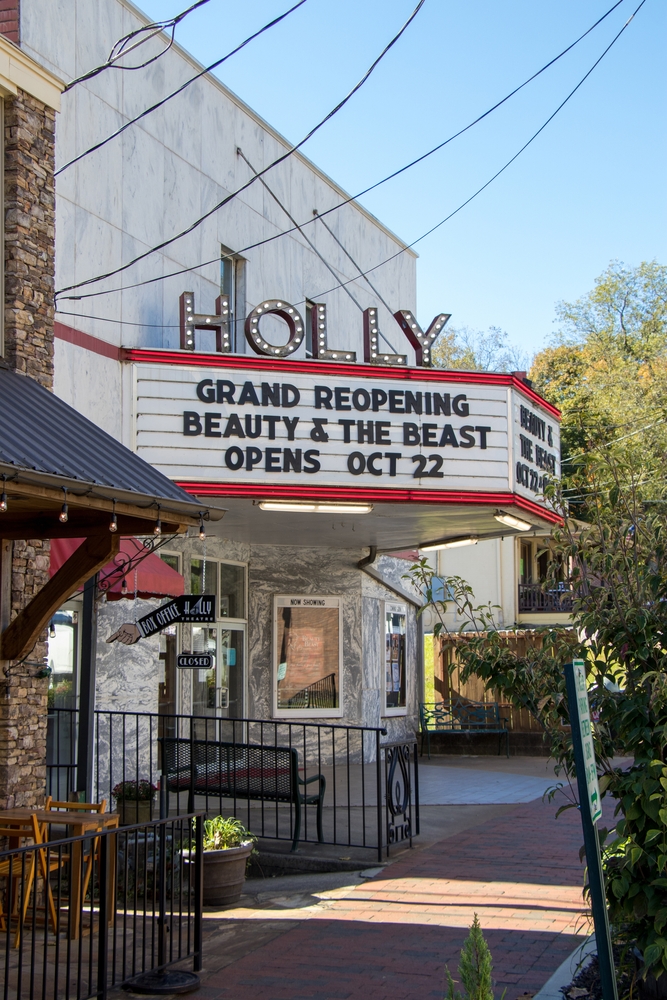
{"x": 253, "y": 423}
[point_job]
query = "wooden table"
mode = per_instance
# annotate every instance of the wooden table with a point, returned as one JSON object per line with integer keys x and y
{"x": 80, "y": 824}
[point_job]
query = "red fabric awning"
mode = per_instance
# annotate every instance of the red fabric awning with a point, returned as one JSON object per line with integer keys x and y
{"x": 154, "y": 577}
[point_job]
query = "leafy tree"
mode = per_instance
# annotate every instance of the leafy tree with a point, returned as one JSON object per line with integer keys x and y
{"x": 463, "y": 349}
{"x": 606, "y": 367}
{"x": 617, "y": 569}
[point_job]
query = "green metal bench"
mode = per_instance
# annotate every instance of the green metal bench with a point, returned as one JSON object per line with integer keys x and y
{"x": 240, "y": 771}
{"x": 462, "y": 716}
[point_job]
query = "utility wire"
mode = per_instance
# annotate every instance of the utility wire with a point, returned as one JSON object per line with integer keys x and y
{"x": 347, "y": 201}
{"x": 509, "y": 162}
{"x": 312, "y": 246}
{"x": 142, "y": 35}
{"x": 280, "y": 159}
{"x": 179, "y": 90}
{"x": 351, "y": 258}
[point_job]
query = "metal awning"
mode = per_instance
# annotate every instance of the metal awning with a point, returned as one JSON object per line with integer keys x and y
{"x": 51, "y": 454}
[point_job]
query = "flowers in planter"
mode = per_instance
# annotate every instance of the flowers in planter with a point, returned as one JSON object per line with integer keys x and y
{"x": 134, "y": 791}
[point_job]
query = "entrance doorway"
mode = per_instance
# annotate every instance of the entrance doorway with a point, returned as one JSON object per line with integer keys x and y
{"x": 218, "y": 693}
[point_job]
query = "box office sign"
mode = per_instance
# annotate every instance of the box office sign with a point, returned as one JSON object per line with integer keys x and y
{"x": 251, "y": 427}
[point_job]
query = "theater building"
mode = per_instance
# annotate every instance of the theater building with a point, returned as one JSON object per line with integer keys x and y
{"x": 272, "y": 380}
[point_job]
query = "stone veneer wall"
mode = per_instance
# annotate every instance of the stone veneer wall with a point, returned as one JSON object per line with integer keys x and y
{"x": 29, "y": 151}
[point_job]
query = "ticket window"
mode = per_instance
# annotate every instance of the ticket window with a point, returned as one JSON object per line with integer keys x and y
{"x": 307, "y": 657}
{"x": 395, "y": 627}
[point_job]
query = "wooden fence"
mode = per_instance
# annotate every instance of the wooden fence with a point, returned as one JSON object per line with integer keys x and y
{"x": 448, "y": 686}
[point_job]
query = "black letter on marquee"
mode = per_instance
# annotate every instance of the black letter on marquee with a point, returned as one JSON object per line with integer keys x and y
{"x": 191, "y": 423}
{"x": 318, "y": 432}
{"x": 356, "y": 463}
{"x": 205, "y": 391}
{"x": 310, "y": 462}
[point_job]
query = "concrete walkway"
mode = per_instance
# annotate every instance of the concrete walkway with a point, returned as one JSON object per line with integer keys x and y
{"x": 325, "y": 937}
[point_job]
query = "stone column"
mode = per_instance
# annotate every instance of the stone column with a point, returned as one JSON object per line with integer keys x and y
{"x": 29, "y": 141}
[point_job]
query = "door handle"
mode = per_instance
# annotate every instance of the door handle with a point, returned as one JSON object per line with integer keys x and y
{"x": 223, "y": 697}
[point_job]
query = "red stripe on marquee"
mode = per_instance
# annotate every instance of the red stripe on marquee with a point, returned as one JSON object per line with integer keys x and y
{"x": 366, "y": 495}
{"x": 93, "y": 344}
{"x": 324, "y": 368}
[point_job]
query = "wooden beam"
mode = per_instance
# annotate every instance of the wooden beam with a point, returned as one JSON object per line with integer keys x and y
{"x": 22, "y": 633}
{"x": 148, "y": 514}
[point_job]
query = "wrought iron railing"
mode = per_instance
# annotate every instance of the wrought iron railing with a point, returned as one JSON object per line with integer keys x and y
{"x": 320, "y": 694}
{"x": 533, "y": 598}
{"x": 82, "y": 915}
{"x": 354, "y": 810}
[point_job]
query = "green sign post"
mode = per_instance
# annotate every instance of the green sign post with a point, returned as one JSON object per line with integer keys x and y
{"x": 591, "y": 810}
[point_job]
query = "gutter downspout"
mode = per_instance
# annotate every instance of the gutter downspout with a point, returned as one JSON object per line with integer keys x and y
{"x": 365, "y": 564}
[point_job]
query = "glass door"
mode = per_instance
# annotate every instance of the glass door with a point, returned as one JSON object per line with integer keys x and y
{"x": 218, "y": 693}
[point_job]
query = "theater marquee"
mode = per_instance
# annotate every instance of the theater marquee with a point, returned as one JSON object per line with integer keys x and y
{"x": 253, "y": 423}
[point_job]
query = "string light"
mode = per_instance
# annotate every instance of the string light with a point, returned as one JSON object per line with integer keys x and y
{"x": 64, "y": 510}
{"x": 3, "y": 498}
{"x": 157, "y": 530}
{"x": 202, "y": 530}
{"x": 113, "y": 524}
{"x": 123, "y": 586}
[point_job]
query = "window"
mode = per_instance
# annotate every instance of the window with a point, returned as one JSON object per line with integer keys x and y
{"x": 307, "y": 656}
{"x": 395, "y": 621}
{"x": 232, "y": 284}
{"x": 226, "y": 580}
{"x": 172, "y": 559}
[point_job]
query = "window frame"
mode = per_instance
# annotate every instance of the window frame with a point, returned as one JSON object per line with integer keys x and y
{"x": 306, "y": 713}
{"x": 219, "y": 563}
{"x": 391, "y": 711}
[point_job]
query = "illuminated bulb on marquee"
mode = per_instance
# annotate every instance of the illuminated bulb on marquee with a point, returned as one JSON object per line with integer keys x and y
{"x": 317, "y": 337}
{"x": 420, "y": 340}
{"x": 316, "y": 334}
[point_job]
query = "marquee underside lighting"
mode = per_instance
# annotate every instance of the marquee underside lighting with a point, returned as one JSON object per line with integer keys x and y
{"x": 316, "y": 507}
{"x": 511, "y": 521}
{"x": 450, "y": 543}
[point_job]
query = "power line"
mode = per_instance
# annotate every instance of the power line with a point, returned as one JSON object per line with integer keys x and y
{"x": 123, "y": 47}
{"x": 179, "y": 90}
{"x": 310, "y": 243}
{"x": 346, "y": 201}
{"x": 506, "y": 165}
{"x": 280, "y": 159}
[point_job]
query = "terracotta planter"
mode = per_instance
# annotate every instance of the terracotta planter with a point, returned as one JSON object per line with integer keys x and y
{"x": 133, "y": 811}
{"x": 224, "y": 874}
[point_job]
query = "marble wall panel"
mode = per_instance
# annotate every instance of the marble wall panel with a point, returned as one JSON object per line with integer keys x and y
{"x": 127, "y": 679}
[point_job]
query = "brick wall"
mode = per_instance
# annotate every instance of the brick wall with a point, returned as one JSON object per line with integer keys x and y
{"x": 9, "y": 20}
{"x": 29, "y": 313}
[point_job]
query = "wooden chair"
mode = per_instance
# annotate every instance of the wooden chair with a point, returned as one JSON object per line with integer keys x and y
{"x": 19, "y": 870}
{"x": 90, "y": 857}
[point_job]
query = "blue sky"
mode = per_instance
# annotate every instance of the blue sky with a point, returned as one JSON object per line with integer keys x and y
{"x": 590, "y": 189}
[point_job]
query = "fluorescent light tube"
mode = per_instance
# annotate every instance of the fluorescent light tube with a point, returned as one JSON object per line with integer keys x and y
{"x": 451, "y": 543}
{"x": 316, "y": 507}
{"x": 511, "y": 521}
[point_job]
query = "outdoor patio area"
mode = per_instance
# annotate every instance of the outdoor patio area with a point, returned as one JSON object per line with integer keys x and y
{"x": 489, "y": 845}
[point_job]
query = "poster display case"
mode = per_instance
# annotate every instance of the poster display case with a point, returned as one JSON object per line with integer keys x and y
{"x": 395, "y": 627}
{"x": 307, "y": 632}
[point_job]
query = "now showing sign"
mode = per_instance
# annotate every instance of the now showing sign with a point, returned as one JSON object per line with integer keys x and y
{"x": 281, "y": 425}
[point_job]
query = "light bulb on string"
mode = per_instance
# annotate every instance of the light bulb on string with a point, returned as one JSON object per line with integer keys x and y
{"x": 157, "y": 530}
{"x": 113, "y": 523}
{"x": 123, "y": 586}
{"x": 3, "y": 498}
{"x": 202, "y": 530}
{"x": 64, "y": 510}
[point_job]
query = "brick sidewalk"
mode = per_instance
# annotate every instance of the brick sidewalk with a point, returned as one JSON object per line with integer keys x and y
{"x": 391, "y": 937}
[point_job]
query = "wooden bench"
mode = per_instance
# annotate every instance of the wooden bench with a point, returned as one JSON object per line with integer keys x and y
{"x": 462, "y": 716}
{"x": 243, "y": 771}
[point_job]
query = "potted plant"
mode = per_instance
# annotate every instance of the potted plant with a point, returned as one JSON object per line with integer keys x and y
{"x": 134, "y": 800}
{"x": 227, "y": 847}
